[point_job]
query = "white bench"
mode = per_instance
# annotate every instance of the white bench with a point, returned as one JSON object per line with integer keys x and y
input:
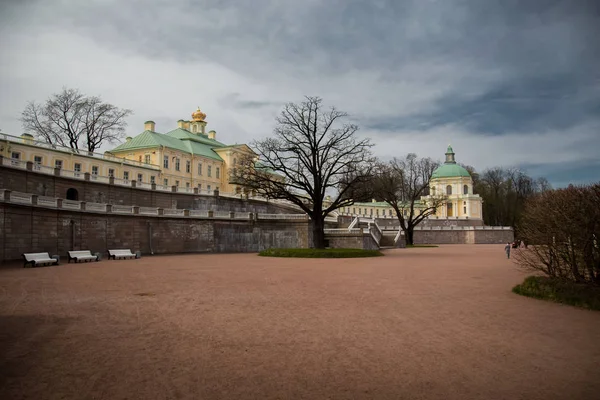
{"x": 81, "y": 255}
{"x": 120, "y": 253}
{"x": 36, "y": 259}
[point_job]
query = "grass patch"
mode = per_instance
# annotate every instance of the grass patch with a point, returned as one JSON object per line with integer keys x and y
{"x": 578, "y": 295}
{"x": 320, "y": 253}
{"x": 408, "y": 246}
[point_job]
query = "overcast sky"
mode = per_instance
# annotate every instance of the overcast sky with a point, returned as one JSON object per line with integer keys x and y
{"x": 506, "y": 82}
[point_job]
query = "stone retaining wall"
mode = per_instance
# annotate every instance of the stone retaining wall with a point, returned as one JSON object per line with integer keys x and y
{"x": 31, "y": 229}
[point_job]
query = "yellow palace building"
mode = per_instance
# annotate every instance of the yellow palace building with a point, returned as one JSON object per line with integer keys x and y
{"x": 449, "y": 179}
{"x": 186, "y": 157}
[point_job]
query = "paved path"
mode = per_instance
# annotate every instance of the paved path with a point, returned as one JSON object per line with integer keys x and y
{"x": 429, "y": 323}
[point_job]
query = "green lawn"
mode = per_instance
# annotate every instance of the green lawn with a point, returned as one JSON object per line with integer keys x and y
{"x": 320, "y": 253}
{"x": 578, "y": 295}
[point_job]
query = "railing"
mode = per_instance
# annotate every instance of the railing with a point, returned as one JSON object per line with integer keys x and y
{"x": 21, "y": 198}
{"x": 199, "y": 213}
{"x": 397, "y": 237}
{"x": 71, "y": 205}
{"x": 148, "y": 210}
{"x": 143, "y": 185}
{"x": 45, "y": 201}
{"x": 174, "y": 212}
{"x": 343, "y": 230}
{"x": 282, "y": 216}
{"x": 122, "y": 182}
{"x": 99, "y": 178}
{"x": 119, "y": 209}
{"x": 99, "y": 207}
{"x": 353, "y": 223}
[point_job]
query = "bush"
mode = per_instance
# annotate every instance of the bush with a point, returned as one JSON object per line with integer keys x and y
{"x": 320, "y": 253}
{"x": 545, "y": 288}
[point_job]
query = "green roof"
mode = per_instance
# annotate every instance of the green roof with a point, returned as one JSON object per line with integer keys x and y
{"x": 179, "y": 139}
{"x": 450, "y": 170}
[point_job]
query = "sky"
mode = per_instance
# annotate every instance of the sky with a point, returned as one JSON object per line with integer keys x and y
{"x": 507, "y": 82}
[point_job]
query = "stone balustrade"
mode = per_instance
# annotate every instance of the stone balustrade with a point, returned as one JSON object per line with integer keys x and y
{"x": 34, "y": 200}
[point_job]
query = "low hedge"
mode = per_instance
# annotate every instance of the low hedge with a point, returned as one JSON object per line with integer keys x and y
{"x": 320, "y": 253}
{"x": 545, "y": 288}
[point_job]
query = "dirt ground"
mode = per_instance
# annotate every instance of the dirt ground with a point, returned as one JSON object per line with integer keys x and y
{"x": 424, "y": 323}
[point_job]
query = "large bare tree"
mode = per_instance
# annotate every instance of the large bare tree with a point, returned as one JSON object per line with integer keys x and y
{"x": 313, "y": 153}
{"x": 74, "y": 120}
{"x": 401, "y": 183}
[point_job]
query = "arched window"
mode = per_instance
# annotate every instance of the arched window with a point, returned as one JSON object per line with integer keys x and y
{"x": 72, "y": 194}
{"x": 465, "y": 189}
{"x": 194, "y": 128}
{"x": 449, "y": 189}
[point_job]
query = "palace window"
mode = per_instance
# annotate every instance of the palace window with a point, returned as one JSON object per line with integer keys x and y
{"x": 449, "y": 189}
{"x": 199, "y": 168}
{"x": 111, "y": 173}
{"x": 76, "y": 169}
{"x": 58, "y": 164}
{"x": 147, "y": 158}
{"x": 140, "y": 158}
{"x": 187, "y": 185}
{"x": 465, "y": 189}
{"x": 177, "y": 164}
{"x": 140, "y": 178}
{"x": 15, "y": 155}
{"x": 208, "y": 189}
{"x": 209, "y": 172}
{"x": 354, "y": 210}
{"x": 177, "y": 183}
{"x": 166, "y": 182}
{"x": 218, "y": 172}
{"x": 188, "y": 166}
{"x": 126, "y": 175}
{"x": 37, "y": 161}
{"x": 95, "y": 170}
{"x": 465, "y": 210}
{"x": 166, "y": 162}
{"x": 152, "y": 179}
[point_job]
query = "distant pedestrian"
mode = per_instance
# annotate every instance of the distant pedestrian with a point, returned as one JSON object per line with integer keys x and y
{"x": 507, "y": 249}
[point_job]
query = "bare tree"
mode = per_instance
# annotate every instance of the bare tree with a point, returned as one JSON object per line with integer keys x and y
{"x": 312, "y": 153}
{"x": 402, "y": 183}
{"x": 72, "y": 119}
{"x": 563, "y": 228}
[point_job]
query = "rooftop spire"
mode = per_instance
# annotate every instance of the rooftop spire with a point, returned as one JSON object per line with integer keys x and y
{"x": 450, "y": 156}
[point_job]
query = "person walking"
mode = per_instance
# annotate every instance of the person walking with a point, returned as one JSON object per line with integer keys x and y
{"x": 507, "y": 249}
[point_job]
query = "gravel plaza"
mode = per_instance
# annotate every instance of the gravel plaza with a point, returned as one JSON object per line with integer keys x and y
{"x": 419, "y": 323}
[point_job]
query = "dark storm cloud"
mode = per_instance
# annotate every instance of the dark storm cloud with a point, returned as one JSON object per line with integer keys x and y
{"x": 485, "y": 68}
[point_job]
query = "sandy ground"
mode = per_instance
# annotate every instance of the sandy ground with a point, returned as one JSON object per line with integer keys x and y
{"x": 430, "y": 323}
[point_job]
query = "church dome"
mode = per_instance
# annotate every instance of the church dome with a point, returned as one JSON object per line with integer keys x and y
{"x": 450, "y": 169}
{"x": 198, "y": 115}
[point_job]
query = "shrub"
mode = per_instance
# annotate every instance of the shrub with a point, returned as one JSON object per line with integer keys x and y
{"x": 559, "y": 291}
{"x": 320, "y": 253}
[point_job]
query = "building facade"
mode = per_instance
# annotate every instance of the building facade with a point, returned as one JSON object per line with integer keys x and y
{"x": 186, "y": 157}
{"x": 450, "y": 180}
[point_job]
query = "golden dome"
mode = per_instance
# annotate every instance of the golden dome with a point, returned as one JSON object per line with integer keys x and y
{"x": 198, "y": 115}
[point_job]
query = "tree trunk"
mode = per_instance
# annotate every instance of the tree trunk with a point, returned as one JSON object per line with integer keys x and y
{"x": 409, "y": 236}
{"x": 318, "y": 233}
